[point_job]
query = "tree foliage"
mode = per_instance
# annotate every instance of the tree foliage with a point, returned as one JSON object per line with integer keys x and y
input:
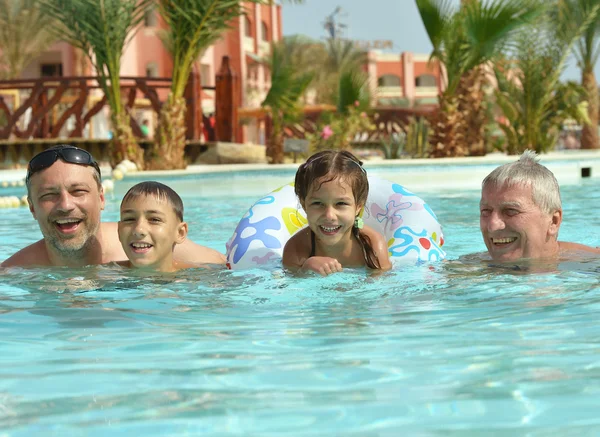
{"x": 24, "y": 35}
{"x": 102, "y": 29}
{"x": 530, "y": 95}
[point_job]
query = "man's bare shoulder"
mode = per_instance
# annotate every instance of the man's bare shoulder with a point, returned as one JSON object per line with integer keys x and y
{"x": 567, "y": 248}
{"x": 33, "y": 255}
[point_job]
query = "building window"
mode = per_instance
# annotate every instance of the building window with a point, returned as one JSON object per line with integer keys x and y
{"x": 265, "y": 32}
{"x": 150, "y": 19}
{"x": 152, "y": 69}
{"x": 205, "y": 75}
{"x": 389, "y": 80}
{"x": 248, "y": 27}
{"x": 426, "y": 80}
{"x": 51, "y": 70}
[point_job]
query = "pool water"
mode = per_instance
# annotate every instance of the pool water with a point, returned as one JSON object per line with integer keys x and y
{"x": 453, "y": 348}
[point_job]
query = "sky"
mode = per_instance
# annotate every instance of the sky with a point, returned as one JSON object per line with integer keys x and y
{"x": 395, "y": 20}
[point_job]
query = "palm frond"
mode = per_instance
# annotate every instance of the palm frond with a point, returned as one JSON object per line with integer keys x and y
{"x": 101, "y": 29}
{"x": 193, "y": 26}
{"x": 353, "y": 89}
{"x": 24, "y": 35}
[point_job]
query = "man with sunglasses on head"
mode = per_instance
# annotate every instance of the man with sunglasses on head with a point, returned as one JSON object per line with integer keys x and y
{"x": 66, "y": 198}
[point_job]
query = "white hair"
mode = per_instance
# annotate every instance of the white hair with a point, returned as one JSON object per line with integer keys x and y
{"x": 527, "y": 171}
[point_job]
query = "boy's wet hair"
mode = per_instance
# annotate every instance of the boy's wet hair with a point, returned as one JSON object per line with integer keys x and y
{"x": 159, "y": 191}
{"x": 329, "y": 165}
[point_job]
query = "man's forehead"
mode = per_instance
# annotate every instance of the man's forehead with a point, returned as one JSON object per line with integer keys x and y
{"x": 507, "y": 193}
{"x": 67, "y": 175}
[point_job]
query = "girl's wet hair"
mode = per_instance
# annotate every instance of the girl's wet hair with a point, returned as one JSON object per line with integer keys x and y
{"x": 329, "y": 165}
{"x": 159, "y": 191}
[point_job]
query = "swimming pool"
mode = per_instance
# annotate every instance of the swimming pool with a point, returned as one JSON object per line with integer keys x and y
{"x": 455, "y": 348}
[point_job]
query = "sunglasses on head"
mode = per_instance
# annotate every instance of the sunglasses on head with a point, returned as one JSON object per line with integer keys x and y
{"x": 70, "y": 154}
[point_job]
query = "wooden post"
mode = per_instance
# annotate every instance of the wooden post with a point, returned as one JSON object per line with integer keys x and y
{"x": 193, "y": 100}
{"x": 226, "y": 102}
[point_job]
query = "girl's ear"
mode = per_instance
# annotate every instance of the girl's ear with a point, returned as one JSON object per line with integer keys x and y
{"x": 359, "y": 209}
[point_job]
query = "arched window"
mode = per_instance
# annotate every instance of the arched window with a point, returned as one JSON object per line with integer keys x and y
{"x": 265, "y": 32}
{"x": 151, "y": 69}
{"x": 248, "y": 27}
{"x": 389, "y": 80}
{"x": 426, "y": 80}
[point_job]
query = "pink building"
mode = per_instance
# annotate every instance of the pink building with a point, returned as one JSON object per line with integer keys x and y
{"x": 247, "y": 42}
{"x": 404, "y": 79}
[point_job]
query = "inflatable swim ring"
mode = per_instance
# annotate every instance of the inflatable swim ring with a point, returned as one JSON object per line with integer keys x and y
{"x": 408, "y": 224}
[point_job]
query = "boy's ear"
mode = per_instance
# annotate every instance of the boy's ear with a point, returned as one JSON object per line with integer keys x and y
{"x": 182, "y": 230}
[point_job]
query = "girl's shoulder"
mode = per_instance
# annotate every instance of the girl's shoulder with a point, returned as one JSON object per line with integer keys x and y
{"x": 372, "y": 234}
{"x": 297, "y": 249}
{"x": 379, "y": 245}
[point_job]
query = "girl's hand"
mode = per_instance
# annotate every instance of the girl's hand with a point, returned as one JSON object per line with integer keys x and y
{"x": 323, "y": 265}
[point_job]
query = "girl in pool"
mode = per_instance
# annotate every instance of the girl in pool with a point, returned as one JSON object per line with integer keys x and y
{"x": 332, "y": 187}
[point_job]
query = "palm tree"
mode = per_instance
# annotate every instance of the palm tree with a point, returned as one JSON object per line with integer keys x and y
{"x": 530, "y": 95}
{"x": 24, "y": 35}
{"x": 288, "y": 84}
{"x": 193, "y": 26}
{"x": 341, "y": 56}
{"x": 587, "y": 49}
{"x": 102, "y": 29}
{"x": 464, "y": 40}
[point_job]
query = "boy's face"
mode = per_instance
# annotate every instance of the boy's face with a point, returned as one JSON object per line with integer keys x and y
{"x": 148, "y": 231}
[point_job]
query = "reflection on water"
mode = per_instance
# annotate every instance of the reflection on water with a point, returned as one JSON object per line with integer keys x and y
{"x": 463, "y": 347}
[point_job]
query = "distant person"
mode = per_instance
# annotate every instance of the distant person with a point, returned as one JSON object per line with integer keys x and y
{"x": 521, "y": 213}
{"x": 145, "y": 128}
{"x": 150, "y": 227}
{"x": 332, "y": 187}
{"x": 66, "y": 198}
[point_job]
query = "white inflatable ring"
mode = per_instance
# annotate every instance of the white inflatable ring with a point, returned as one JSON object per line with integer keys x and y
{"x": 408, "y": 224}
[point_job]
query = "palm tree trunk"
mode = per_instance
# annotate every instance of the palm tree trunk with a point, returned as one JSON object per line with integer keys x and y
{"x": 275, "y": 142}
{"x": 168, "y": 150}
{"x": 446, "y": 139}
{"x": 123, "y": 144}
{"x": 471, "y": 110}
{"x": 589, "y": 134}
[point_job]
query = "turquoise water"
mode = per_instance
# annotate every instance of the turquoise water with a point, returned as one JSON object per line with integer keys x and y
{"x": 455, "y": 348}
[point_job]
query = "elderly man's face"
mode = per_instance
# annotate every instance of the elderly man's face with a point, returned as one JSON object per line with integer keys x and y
{"x": 514, "y": 227}
{"x": 66, "y": 201}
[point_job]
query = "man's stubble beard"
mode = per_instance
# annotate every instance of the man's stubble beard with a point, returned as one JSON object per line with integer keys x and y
{"x": 77, "y": 248}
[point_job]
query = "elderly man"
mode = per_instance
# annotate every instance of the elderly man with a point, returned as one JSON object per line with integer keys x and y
{"x": 521, "y": 213}
{"x": 65, "y": 196}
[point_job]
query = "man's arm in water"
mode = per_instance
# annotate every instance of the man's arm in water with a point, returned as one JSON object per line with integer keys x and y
{"x": 193, "y": 253}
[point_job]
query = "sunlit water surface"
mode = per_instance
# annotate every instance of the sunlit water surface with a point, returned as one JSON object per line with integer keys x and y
{"x": 454, "y": 348}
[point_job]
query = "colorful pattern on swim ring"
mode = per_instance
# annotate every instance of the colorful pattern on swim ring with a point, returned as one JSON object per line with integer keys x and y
{"x": 408, "y": 224}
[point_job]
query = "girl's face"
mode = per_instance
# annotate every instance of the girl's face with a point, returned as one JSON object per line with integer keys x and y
{"x": 331, "y": 211}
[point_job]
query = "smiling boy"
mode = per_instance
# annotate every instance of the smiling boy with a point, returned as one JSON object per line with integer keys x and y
{"x": 151, "y": 225}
